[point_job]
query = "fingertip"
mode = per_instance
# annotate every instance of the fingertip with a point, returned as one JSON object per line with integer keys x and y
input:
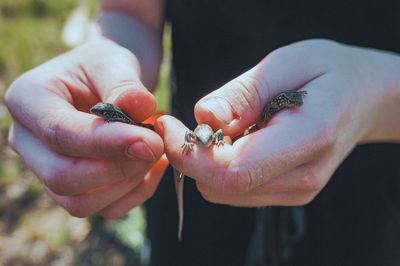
{"x": 159, "y": 126}
{"x": 124, "y": 141}
{"x": 167, "y": 123}
{"x": 214, "y": 111}
{"x": 137, "y": 102}
{"x": 173, "y": 133}
{"x": 233, "y": 107}
{"x": 217, "y": 114}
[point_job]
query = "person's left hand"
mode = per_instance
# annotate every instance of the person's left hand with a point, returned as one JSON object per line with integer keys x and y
{"x": 353, "y": 97}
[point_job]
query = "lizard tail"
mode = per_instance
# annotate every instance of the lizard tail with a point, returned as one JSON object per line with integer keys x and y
{"x": 178, "y": 180}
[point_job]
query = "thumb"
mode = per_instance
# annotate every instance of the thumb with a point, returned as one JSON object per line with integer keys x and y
{"x": 239, "y": 103}
{"x": 115, "y": 77}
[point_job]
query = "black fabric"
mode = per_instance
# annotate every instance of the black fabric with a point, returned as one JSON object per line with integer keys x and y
{"x": 355, "y": 220}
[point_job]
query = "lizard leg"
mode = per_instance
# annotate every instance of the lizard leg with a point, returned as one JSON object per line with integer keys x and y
{"x": 219, "y": 137}
{"x": 188, "y": 145}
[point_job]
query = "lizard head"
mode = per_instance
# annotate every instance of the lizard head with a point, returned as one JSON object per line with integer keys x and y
{"x": 101, "y": 109}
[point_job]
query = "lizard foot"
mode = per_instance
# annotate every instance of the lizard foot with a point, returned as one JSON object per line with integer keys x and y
{"x": 219, "y": 142}
{"x": 186, "y": 147}
{"x": 219, "y": 138}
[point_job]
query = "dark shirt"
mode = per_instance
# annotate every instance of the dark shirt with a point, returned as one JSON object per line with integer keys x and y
{"x": 355, "y": 219}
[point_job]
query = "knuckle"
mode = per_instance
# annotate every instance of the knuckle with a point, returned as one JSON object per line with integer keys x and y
{"x": 52, "y": 178}
{"x": 205, "y": 191}
{"x": 207, "y": 196}
{"x": 8, "y": 97}
{"x": 311, "y": 181}
{"x": 52, "y": 134}
{"x": 326, "y": 137}
{"x": 145, "y": 194}
{"x": 75, "y": 208}
{"x": 12, "y": 95}
{"x": 237, "y": 178}
{"x": 12, "y": 142}
{"x": 56, "y": 179}
{"x": 212, "y": 197}
{"x": 249, "y": 90}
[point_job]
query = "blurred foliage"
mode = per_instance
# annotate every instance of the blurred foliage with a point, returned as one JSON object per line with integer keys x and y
{"x": 33, "y": 229}
{"x": 162, "y": 92}
{"x": 29, "y": 34}
{"x": 130, "y": 227}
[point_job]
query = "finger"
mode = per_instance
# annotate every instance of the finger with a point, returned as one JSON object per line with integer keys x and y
{"x": 93, "y": 201}
{"x": 66, "y": 175}
{"x": 115, "y": 77}
{"x": 82, "y": 78}
{"x": 139, "y": 194}
{"x": 75, "y": 133}
{"x": 199, "y": 158}
{"x": 233, "y": 169}
{"x": 294, "y": 138}
{"x": 307, "y": 178}
{"x": 44, "y": 99}
{"x": 239, "y": 103}
{"x": 270, "y": 199}
{"x": 298, "y": 190}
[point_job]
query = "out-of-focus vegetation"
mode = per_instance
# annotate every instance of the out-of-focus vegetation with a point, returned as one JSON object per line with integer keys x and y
{"x": 33, "y": 229}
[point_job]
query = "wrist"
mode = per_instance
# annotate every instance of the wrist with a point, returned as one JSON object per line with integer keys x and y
{"x": 385, "y": 114}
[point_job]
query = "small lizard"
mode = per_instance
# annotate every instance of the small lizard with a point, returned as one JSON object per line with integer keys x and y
{"x": 285, "y": 99}
{"x": 204, "y": 135}
{"x": 111, "y": 112}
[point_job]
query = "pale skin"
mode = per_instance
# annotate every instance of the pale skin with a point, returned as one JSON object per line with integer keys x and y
{"x": 353, "y": 97}
{"x": 89, "y": 166}
{"x": 85, "y": 164}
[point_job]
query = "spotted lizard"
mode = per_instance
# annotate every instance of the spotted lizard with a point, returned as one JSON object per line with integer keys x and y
{"x": 204, "y": 136}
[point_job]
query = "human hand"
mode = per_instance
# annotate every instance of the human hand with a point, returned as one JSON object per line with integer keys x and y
{"x": 87, "y": 165}
{"x": 353, "y": 97}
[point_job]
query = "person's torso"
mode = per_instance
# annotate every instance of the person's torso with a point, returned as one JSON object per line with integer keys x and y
{"x": 355, "y": 220}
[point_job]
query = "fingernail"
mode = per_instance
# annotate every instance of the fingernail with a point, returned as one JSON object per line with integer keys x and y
{"x": 220, "y": 108}
{"x": 140, "y": 150}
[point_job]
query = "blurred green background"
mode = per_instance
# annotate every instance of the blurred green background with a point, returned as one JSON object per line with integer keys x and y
{"x": 33, "y": 229}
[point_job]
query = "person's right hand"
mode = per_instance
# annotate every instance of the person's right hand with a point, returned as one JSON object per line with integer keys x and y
{"x": 87, "y": 165}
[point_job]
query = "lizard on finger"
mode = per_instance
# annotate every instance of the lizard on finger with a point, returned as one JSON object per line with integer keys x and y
{"x": 204, "y": 135}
